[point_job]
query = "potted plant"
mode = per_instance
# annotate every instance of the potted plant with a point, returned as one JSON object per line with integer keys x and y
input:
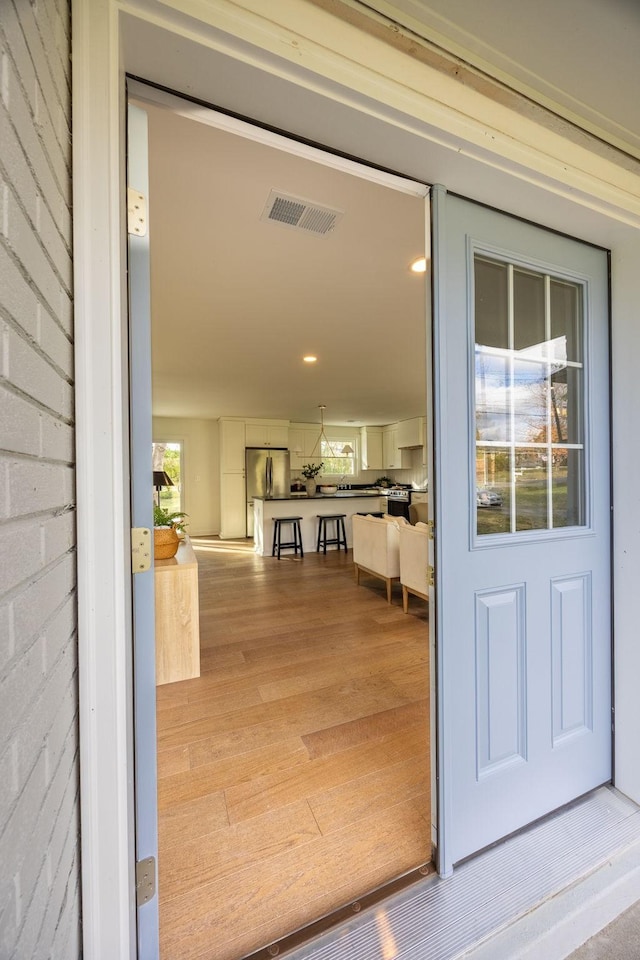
{"x": 310, "y": 471}
{"x": 166, "y": 527}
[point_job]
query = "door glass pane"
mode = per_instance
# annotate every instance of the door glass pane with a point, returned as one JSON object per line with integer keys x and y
{"x": 529, "y": 400}
{"x": 492, "y": 317}
{"x": 568, "y": 487}
{"x": 493, "y": 491}
{"x": 528, "y": 311}
{"x": 493, "y": 409}
{"x": 531, "y": 489}
{"x": 530, "y": 396}
{"x": 566, "y": 320}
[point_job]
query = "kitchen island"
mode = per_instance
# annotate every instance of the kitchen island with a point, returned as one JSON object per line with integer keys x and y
{"x": 349, "y": 502}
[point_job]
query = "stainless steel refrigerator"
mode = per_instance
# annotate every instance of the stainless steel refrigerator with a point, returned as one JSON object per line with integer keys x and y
{"x": 268, "y": 475}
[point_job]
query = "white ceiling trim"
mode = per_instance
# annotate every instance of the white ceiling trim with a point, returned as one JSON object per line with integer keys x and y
{"x": 212, "y": 118}
{"x": 437, "y": 31}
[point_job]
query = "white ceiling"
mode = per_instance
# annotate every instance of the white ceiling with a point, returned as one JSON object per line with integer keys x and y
{"x": 237, "y": 302}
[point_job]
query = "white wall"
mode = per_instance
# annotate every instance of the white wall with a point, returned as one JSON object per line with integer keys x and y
{"x": 201, "y": 483}
{"x": 39, "y": 829}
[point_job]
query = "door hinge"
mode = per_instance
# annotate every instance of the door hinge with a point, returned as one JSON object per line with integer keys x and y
{"x": 140, "y": 549}
{"x": 136, "y": 213}
{"x": 432, "y": 529}
{"x": 431, "y": 576}
{"x": 145, "y": 880}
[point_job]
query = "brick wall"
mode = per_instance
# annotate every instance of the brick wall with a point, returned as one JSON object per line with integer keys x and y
{"x": 39, "y": 829}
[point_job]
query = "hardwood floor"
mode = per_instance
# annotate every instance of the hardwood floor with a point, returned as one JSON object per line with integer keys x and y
{"x": 294, "y": 773}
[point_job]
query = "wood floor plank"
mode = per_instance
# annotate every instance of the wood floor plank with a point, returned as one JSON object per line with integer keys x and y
{"x": 201, "y": 780}
{"x": 307, "y": 741}
{"x": 224, "y": 852}
{"x": 196, "y": 922}
{"x": 253, "y": 797}
{"x": 361, "y": 797}
{"x": 323, "y": 743}
{"x": 292, "y": 716}
{"x": 193, "y": 818}
{"x": 174, "y": 760}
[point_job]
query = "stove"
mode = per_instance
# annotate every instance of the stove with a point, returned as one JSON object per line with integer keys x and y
{"x": 402, "y": 494}
{"x": 398, "y": 500}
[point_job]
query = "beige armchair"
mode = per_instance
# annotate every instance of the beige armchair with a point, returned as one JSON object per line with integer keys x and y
{"x": 376, "y": 549}
{"x": 418, "y": 512}
{"x": 414, "y": 562}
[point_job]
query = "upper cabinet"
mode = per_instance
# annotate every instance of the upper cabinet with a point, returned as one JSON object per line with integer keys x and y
{"x": 411, "y": 433}
{"x": 393, "y": 457}
{"x": 371, "y": 448}
{"x": 267, "y": 433}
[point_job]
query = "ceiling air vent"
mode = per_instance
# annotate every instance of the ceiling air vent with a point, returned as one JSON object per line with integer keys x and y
{"x": 300, "y": 214}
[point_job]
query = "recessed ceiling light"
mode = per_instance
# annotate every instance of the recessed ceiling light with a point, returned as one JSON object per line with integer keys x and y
{"x": 419, "y": 265}
{"x": 310, "y": 358}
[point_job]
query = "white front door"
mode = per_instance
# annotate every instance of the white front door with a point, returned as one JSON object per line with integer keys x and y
{"x": 523, "y": 522}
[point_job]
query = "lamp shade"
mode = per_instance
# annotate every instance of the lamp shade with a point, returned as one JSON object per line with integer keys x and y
{"x": 161, "y": 479}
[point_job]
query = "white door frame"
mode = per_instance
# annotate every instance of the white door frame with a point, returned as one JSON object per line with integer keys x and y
{"x": 366, "y": 100}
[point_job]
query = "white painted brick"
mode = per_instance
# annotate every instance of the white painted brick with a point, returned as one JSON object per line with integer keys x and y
{"x": 34, "y": 908}
{"x": 55, "y": 342}
{"x": 57, "y": 439}
{"x": 31, "y": 861}
{"x": 35, "y": 376}
{"x": 8, "y": 927}
{"x": 18, "y": 828}
{"x": 57, "y": 894}
{"x": 66, "y": 822}
{"x": 58, "y": 535}
{"x": 28, "y": 249}
{"x": 59, "y": 633}
{"x": 13, "y": 159}
{"x": 8, "y": 779}
{"x": 56, "y": 247}
{"x": 57, "y": 690}
{"x": 20, "y": 686}
{"x": 51, "y": 80}
{"x": 67, "y": 942}
{"x": 34, "y": 608}
{"x": 23, "y": 545}
{"x": 20, "y": 429}
{"x": 17, "y": 299}
{"x": 36, "y": 486}
{"x": 22, "y": 120}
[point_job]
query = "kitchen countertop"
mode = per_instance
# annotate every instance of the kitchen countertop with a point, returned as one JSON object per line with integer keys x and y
{"x": 343, "y": 494}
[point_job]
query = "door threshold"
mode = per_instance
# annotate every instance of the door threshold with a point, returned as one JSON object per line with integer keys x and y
{"x": 480, "y": 911}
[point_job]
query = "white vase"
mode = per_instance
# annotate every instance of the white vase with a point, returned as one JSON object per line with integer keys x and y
{"x": 310, "y": 487}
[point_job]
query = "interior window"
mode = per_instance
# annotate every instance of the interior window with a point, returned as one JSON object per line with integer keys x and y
{"x": 338, "y": 457}
{"x": 167, "y": 475}
{"x": 529, "y": 400}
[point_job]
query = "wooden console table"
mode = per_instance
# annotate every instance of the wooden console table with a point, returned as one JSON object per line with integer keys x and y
{"x": 177, "y": 616}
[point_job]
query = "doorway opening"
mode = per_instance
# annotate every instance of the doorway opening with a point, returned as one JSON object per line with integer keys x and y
{"x": 296, "y": 769}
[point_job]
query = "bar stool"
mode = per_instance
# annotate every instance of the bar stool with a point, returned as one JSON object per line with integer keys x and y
{"x": 370, "y": 513}
{"x": 340, "y": 534}
{"x": 296, "y": 543}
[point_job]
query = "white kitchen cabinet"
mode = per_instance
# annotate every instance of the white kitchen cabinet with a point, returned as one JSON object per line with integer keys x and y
{"x": 266, "y": 434}
{"x": 393, "y": 457}
{"x": 411, "y": 433}
{"x": 232, "y": 481}
{"x": 232, "y": 444}
{"x": 233, "y": 506}
{"x": 371, "y": 457}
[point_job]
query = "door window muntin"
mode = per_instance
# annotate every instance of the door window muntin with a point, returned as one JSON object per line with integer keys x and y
{"x": 553, "y": 355}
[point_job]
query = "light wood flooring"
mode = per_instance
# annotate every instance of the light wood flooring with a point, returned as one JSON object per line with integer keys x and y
{"x": 294, "y": 773}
